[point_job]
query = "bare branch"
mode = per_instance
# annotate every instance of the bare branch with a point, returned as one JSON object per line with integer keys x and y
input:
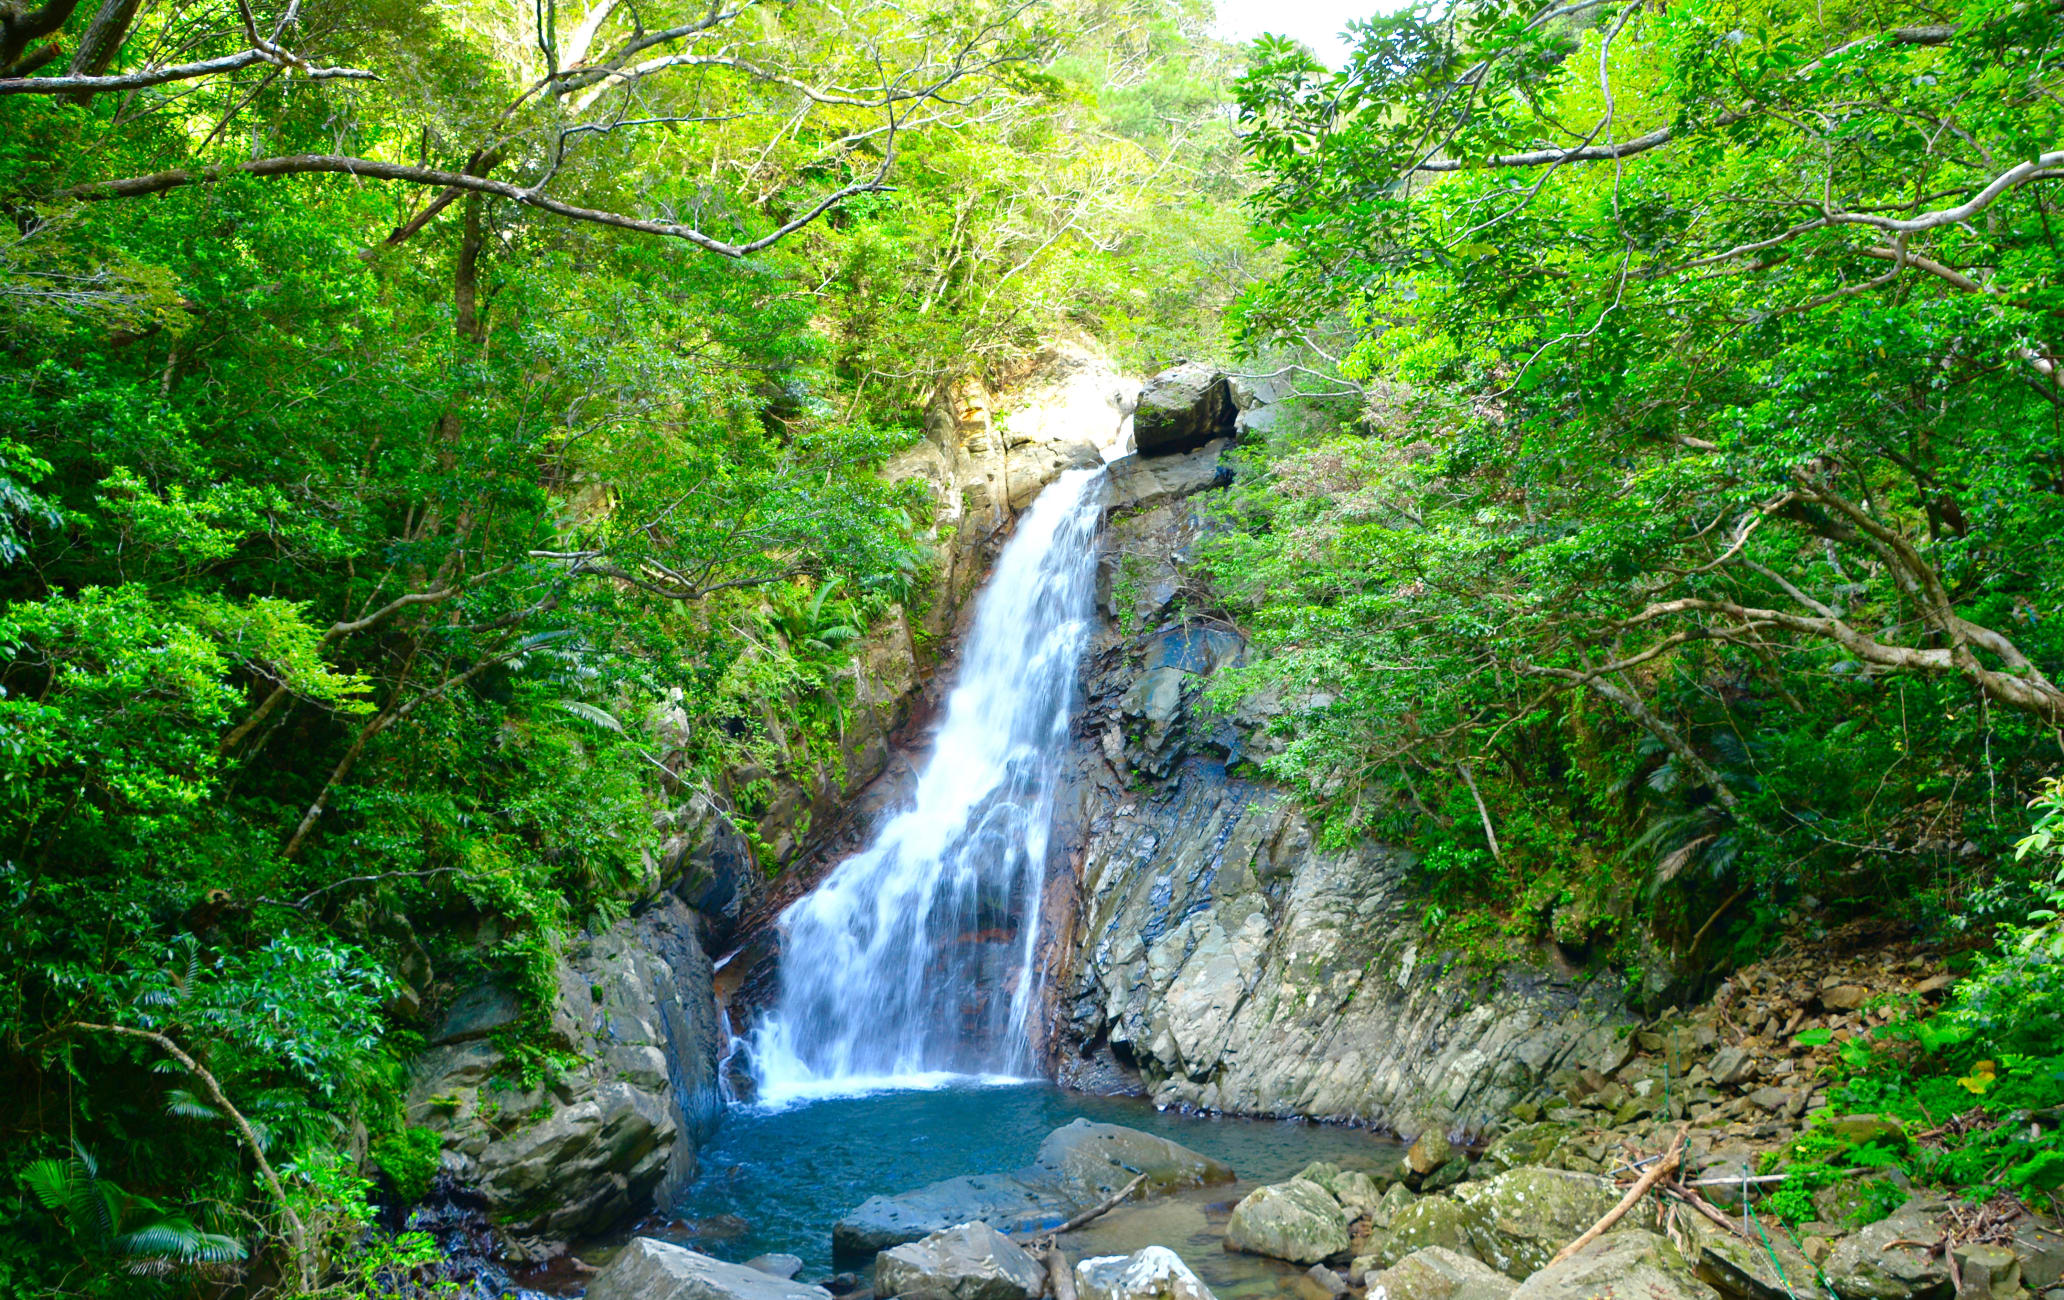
{"x": 176, "y": 72}
{"x": 301, "y": 164}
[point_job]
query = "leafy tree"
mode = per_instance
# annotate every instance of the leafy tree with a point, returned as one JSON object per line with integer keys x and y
{"x": 1699, "y": 510}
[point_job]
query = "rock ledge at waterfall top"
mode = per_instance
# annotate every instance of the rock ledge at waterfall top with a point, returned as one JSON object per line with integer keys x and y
{"x": 1078, "y": 1166}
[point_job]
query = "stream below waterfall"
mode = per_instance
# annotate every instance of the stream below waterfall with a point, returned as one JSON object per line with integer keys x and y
{"x": 776, "y": 1179}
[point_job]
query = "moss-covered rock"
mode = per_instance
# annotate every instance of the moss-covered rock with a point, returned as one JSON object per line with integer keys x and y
{"x": 1630, "y": 1265}
{"x": 1528, "y": 1144}
{"x": 1427, "y": 1221}
{"x": 1437, "y": 1273}
{"x": 1297, "y": 1220}
{"x": 1518, "y": 1220}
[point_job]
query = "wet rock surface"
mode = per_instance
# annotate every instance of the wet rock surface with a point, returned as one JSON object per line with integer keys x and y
{"x": 1078, "y": 1166}
{"x": 656, "y": 1270}
{"x": 1439, "y": 1274}
{"x": 635, "y": 1008}
{"x": 970, "y": 1262}
{"x": 1154, "y": 1273}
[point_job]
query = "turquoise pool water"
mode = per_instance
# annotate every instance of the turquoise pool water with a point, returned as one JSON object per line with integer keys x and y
{"x": 776, "y": 1180}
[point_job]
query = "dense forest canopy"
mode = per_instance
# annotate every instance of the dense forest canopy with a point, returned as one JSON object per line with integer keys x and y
{"x": 1708, "y": 355}
{"x": 436, "y": 440}
{"x": 433, "y": 437}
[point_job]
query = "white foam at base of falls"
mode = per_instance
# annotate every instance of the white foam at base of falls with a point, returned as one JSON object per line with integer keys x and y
{"x": 914, "y": 963}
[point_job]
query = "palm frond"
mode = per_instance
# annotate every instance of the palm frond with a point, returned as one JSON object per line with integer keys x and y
{"x": 589, "y": 713}
{"x": 184, "y": 1104}
{"x": 51, "y": 1181}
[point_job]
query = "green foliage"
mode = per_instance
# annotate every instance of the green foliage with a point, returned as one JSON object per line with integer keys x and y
{"x": 409, "y": 1158}
{"x": 1699, "y": 519}
{"x": 379, "y": 575}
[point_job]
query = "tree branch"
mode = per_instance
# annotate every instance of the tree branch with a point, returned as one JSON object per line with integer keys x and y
{"x": 176, "y": 72}
{"x": 243, "y": 1126}
{"x": 301, "y": 164}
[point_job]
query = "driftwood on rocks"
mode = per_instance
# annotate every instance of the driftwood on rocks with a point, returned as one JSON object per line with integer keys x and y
{"x": 1655, "y": 1174}
{"x": 1098, "y": 1211}
{"x": 1060, "y": 1274}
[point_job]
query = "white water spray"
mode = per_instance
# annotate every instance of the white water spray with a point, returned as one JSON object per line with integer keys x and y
{"x": 915, "y": 961}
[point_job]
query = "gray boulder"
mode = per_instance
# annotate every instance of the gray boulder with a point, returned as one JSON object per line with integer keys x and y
{"x": 1437, "y": 1273}
{"x": 1529, "y": 1144}
{"x": 1738, "y": 1268}
{"x": 1078, "y": 1166}
{"x": 1518, "y": 1220}
{"x": 619, "y": 1129}
{"x": 658, "y": 1270}
{"x": 1006, "y": 1200}
{"x": 1878, "y": 1263}
{"x": 1297, "y": 1220}
{"x": 1631, "y": 1265}
{"x": 1092, "y": 1161}
{"x": 1155, "y": 1273}
{"x": 1357, "y": 1193}
{"x": 971, "y": 1262}
{"x": 1182, "y": 408}
{"x": 777, "y": 1264}
{"x": 1428, "y": 1221}
{"x": 584, "y": 1166}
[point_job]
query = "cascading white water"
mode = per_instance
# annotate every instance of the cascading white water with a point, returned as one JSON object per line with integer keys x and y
{"x": 915, "y": 959}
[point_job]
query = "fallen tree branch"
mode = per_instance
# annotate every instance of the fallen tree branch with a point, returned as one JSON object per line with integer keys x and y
{"x": 1060, "y": 1278}
{"x": 1634, "y": 1194}
{"x": 1686, "y": 1196}
{"x": 1098, "y": 1211}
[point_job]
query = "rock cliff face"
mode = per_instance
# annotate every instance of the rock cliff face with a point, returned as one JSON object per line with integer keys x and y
{"x": 1222, "y": 959}
{"x": 634, "y": 1007}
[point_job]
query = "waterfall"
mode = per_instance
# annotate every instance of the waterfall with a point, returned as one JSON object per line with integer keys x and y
{"x": 915, "y": 960}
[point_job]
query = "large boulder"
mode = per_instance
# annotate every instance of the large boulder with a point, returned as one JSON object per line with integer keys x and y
{"x": 1008, "y": 1201}
{"x": 618, "y": 1130}
{"x": 1881, "y": 1262}
{"x": 658, "y": 1270}
{"x": 1518, "y": 1220}
{"x": 971, "y": 1262}
{"x": 1437, "y": 1273}
{"x": 1358, "y": 1194}
{"x": 1078, "y": 1166}
{"x": 1183, "y": 408}
{"x": 1428, "y": 1221}
{"x": 1297, "y": 1220}
{"x": 1631, "y": 1265}
{"x": 1763, "y": 1270}
{"x": 1155, "y": 1273}
{"x": 584, "y": 1166}
{"x": 1091, "y": 1161}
